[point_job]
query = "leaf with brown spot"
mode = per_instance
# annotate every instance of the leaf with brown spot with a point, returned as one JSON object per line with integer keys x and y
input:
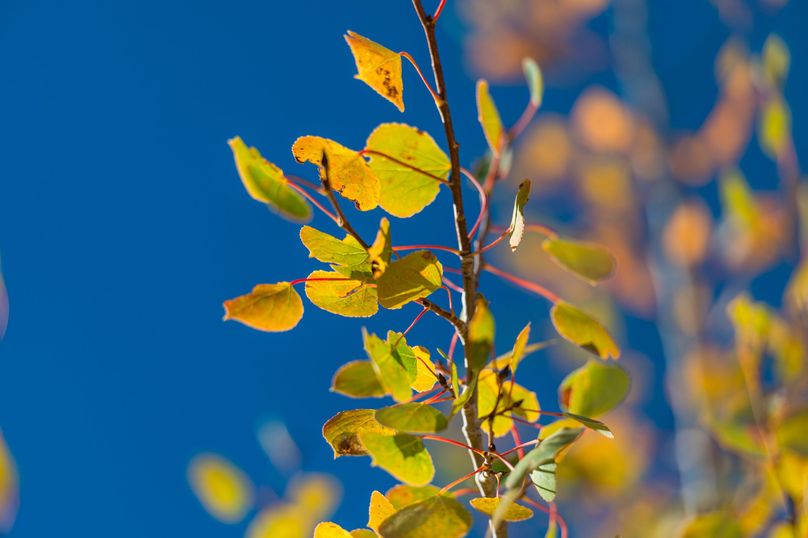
{"x": 342, "y": 430}
{"x": 378, "y": 67}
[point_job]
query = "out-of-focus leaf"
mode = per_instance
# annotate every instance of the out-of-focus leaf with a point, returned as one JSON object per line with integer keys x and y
{"x": 552, "y": 529}
{"x": 774, "y": 129}
{"x": 590, "y": 262}
{"x": 581, "y": 329}
{"x": 514, "y": 512}
{"x": 379, "y": 510}
{"x": 797, "y": 290}
{"x": 534, "y": 81}
{"x": 402, "y": 455}
{"x": 409, "y": 165}
{"x": 278, "y": 445}
{"x": 412, "y": 417}
{"x": 481, "y": 335}
{"x": 394, "y": 363}
{"x": 792, "y": 432}
{"x": 342, "y": 431}
{"x": 424, "y": 378}
{"x": 9, "y": 489}
{"x": 357, "y": 379}
{"x": 413, "y": 277}
{"x": 517, "y": 227}
{"x": 266, "y": 183}
{"x": 328, "y": 249}
{"x": 341, "y": 295}
{"x": 402, "y": 495}
{"x": 776, "y": 59}
{"x": 592, "y": 424}
{"x": 328, "y": 529}
{"x": 348, "y": 172}
{"x": 378, "y": 67}
{"x": 519, "y": 346}
{"x": 738, "y": 201}
{"x": 280, "y": 521}
{"x": 594, "y": 389}
{"x": 752, "y": 321}
{"x": 363, "y": 533}
{"x": 317, "y": 495}
{"x": 224, "y": 491}
{"x": 489, "y": 118}
{"x": 3, "y": 306}
{"x": 544, "y": 479}
{"x": 441, "y": 516}
{"x": 269, "y": 307}
{"x": 714, "y": 525}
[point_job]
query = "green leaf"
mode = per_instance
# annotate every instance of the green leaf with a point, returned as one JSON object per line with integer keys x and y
{"x": 413, "y": 277}
{"x": 543, "y": 454}
{"x": 378, "y": 67}
{"x": 441, "y": 516}
{"x": 489, "y": 118}
{"x": 328, "y": 249}
{"x": 266, "y": 183}
{"x": 592, "y": 263}
{"x": 776, "y": 59}
{"x": 791, "y": 432}
{"x": 592, "y": 424}
{"x": 338, "y": 294}
{"x": 413, "y": 417}
{"x": 409, "y": 165}
{"x": 402, "y": 495}
{"x": 357, "y": 379}
{"x": 594, "y": 389}
{"x": 544, "y": 479}
{"x": 269, "y": 307}
{"x": 379, "y": 510}
{"x": 714, "y": 525}
{"x": 394, "y": 363}
{"x": 514, "y": 512}
{"x": 519, "y": 347}
{"x": 402, "y": 455}
{"x": 580, "y": 329}
{"x": 534, "y": 81}
{"x": 517, "y": 227}
{"x": 342, "y": 431}
{"x": 481, "y": 335}
{"x": 348, "y": 172}
{"x": 461, "y": 400}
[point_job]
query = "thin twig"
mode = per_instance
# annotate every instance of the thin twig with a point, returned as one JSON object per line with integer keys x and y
{"x": 435, "y": 96}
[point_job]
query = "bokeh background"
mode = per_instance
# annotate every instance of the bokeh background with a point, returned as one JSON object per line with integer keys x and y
{"x": 123, "y": 226}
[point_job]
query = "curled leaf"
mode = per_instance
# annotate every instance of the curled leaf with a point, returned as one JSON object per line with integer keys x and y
{"x": 592, "y": 263}
{"x": 394, "y": 363}
{"x": 534, "y": 81}
{"x": 269, "y": 307}
{"x": 378, "y": 67}
{"x": 579, "y": 328}
{"x": 342, "y": 431}
{"x": 517, "y": 227}
{"x": 489, "y": 118}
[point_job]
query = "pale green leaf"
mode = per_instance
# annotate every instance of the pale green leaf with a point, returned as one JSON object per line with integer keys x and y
{"x": 440, "y": 516}
{"x": 489, "y": 118}
{"x": 592, "y": 424}
{"x": 269, "y": 307}
{"x": 394, "y": 363}
{"x": 544, "y": 479}
{"x": 534, "y": 81}
{"x": 410, "y": 278}
{"x": 328, "y": 249}
{"x": 545, "y": 452}
{"x": 579, "y": 328}
{"x": 592, "y": 263}
{"x": 413, "y": 417}
{"x": 357, "y": 379}
{"x": 402, "y": 455}
{"x": 594, "y": 389}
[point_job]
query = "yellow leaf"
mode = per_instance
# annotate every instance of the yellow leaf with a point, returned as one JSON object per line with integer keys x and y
{"x": 266, "y": 183}
{"x": 580, "y": 329}
{"x": 489, "y": 118}
{"x": 402, "y": 495}
{"x": 381, "y": 250}
{"x": 774, "y": 129}
{"x": 514, "y": 512}
{"x": 328, "y": 249}
{"x": 402, "y": 455}
{"x": 409, "y": 165}
{"x": 487, "y": 390}
{"x": 224, "y": 491}
{"x": 269, "y": 307}
{"x": 330, "y": 530}
{"x": 316, "y": 495}
{"x": 280, "y": 521}
{"x": 378, "y": 67}
{"x": 424, "y": 379}
{"x": 348, "y": 172}
{"x": 9, "y": 494}
{"x": 592, "y": 263}
{"x": 410, "y": 278}
{"x": 379, "y": 510}
{"x": 341, "y": 295}
{"x": 481, "y": 335}
{"x": 439, "y": 516}
{"x": 342, "y": 431}
{"x": 593, "y": 389}
{"x": 363, "y": 533}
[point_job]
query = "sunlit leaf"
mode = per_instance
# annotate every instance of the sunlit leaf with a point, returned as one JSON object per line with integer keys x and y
{"x": 792, "y": 432}
{"x": 402, "y": 495}
{"x": 413, "y": 417}
{"x": 440, "y": 516}
{"x": 580, "y": 329}
{"x": 269, "y": 307}
{"x": 481, "y": 335}
{"x": 348, "y": 172}
{"x": 470, "y": 389}
{"x": 402, "y": 455}
{"x": 381, "y": 250}
{"x": 357, "y": 379}
{"x": 342, "y": 431}
{"x": 514, "y": 512}
{"x": 9, "y": 488}
{"x": 519, "y": 347}
{"x": 591, "y": 262}
{"x": 738, "y": 200}
{"x": 328, "y": 529}
{"x": 489, "y": 118}
{"x": 328, "y": 249}
{"x": 534, "y": 81}
{"x": 594, "y": 389}
{"x": 280, "y": 521}
{"x": 544, "y": 479}
{"x": 409, "y": 165}
{"x": 424, "y": 368}
{"x": 714, "y": 525}
{"x": 266, "y": 183}
{"x": 487, "y": 390}
{"x": 774, "y": 129}
{"x": 379, "y": 510}
{"x": 410, "y": 278}
{"x": 363, "y": 533}
{"x": 224, "y": 491}
{"x": 378, "y": 67}
{"x": 517, "y": 227}
{"x": 394, "y": 363}
{"x": 592, "y": 424}
{"x": 335, "y": 293}
{"x": 317, "y": 495}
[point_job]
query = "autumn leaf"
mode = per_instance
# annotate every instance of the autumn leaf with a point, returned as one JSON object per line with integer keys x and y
{"x": 410, "y": 167}
{"x": 222, "y": 488}
{"x": 424, "y": 370}
{"x": 402, "y": 495}
{"x": 774, "y": 129}
{"x": 317, "y": 495}
{"x": 381, "y": 250}
{"x": 590, "y": 262}
{"x": 380, "y": 509}
{"x": 328, "y": 249}
{"x": 394, "y": 363}
{"x": 266, "y": 183}
{"x": 410, "y": 278}
{"x": 580, "y": 329}
{"x": 328, "y": 529}
{"x": 517, "y": 227}
{"x": 481, "y": 335}
{"x": 357, "y": 379}
{"x": 338, "y": 294}
{"x": 348, "y": 172}
{"x": 487, "y": 390}
{"x": 593, "y": 389}
{"x": 413, "y": 417}
{"x": 269, "y": 307}
{"x": 342, "y": 431}
{"x": 489, "y": 118}
{"x": 378, "y": 67}
{"x": 402, "y": 455}
{"x": 279, "y": 520}
{"x": 440, "y": 516}
{"x": 514, "y": 512}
